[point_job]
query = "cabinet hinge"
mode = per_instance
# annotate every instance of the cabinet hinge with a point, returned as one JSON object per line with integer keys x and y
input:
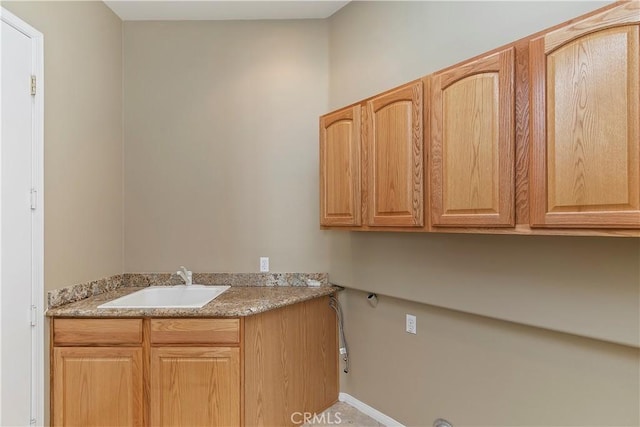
{"x": 34, "y": 315}
{"x": 33, "y": 85}
{"x": 34, "y": 199}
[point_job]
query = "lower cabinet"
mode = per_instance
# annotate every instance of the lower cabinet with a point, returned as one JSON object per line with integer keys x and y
{"x": 291, "y": 363}
{"x": 195, "y": 386}
{"x": 259, "y": 370}
{"x": 97, "y": 386}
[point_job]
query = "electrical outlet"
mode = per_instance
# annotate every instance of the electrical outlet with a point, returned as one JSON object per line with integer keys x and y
{"x": 411, "y": 324}
{"x": 264, "y": 264}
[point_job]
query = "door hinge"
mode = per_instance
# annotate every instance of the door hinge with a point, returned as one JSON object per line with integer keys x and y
{"x": 33, "y": 85}
{"x": 34, "y": 199}
{"x": 34, "y": 315}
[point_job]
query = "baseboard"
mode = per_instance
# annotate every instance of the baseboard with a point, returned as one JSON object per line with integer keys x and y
{"x": 368, "y": 410}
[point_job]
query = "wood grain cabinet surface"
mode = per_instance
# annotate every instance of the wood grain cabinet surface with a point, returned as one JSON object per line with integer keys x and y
{"x": 97, "y": 332}
{"x": 585, "y": 124}
{"x": 97, "y": 386}
{"x": 291, "y": 363}
{"x": 340, "y": 195}
{"x": 541, "y": 136}
{"x": 195, "y": 386}
{"x": 197, "y": 372}
{"x": 194, "y": 331}
{"x": 371, "y": 162}
{"x": 472, "y": 143}
{"x": 393, "y": 158}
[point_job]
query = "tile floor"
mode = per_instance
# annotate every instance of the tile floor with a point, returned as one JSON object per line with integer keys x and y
{"x": 342, "y": 414}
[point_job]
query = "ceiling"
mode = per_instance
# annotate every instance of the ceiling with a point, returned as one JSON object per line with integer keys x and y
{"x": 206, "y": 10}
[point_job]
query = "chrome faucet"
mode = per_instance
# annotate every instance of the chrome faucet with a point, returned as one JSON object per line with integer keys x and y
{"x": 186, "y": 275}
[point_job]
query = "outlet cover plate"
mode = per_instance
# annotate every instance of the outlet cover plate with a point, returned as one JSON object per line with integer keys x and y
{"x": 411, "y": 324}
{"x": 264, "y": 264}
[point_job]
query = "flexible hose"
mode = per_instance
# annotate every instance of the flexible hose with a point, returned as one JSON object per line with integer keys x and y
{"x": 344, "y": 349}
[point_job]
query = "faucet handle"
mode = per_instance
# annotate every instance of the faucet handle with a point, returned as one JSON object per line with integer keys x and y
{"x": 185, "y": 274}
{"x": 182, "y": 273}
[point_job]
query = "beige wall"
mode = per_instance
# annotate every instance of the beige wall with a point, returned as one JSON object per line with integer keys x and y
{"x": 82, "y": 138}
{"x": 470, "y": 369}
{"x": 475, "y": 371}
{"x": 221, "y": 133}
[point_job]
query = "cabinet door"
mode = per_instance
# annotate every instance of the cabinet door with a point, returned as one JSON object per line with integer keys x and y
{"x": 472, "y": 143}
{"x": 393, "y": 158}
{"x": 340, "y": 168}
{"x": 585, "y": 164}
{"x": 97, "y": 386}
{"x": 195, "y": 386}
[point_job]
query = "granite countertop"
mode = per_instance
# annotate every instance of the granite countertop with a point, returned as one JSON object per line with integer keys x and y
{"x": 236, "y": 301}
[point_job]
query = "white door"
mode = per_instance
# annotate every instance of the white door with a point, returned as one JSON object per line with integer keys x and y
{"x": 19, "y": 364}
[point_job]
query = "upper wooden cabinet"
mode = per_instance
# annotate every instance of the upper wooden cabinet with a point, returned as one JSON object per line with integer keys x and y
{"x": 472, "y": 143}
{"x": 340, "y": 168}
{"x": 539, "y": 137}
{"x": 585, "y": 106}
{"x": 393, "y": 158}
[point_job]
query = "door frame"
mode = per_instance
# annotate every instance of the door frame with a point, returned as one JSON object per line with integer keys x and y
{"x": 37, "y": 219}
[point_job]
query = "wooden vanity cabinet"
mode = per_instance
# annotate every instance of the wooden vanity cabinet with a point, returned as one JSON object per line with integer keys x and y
{"x": 97, "y": 372}
{"x": 194, "y": 372}
{"x": 472, "y": 143}
{"x": 249, "y": 371}
{"x": 291, "y": 362}
{"x": 585, "y": 122}
{"x": 195, "y": 386}
{"x": 97, "y": 386}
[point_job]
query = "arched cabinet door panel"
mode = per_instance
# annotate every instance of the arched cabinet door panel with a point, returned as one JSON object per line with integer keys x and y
{"x": 472, "y": 143}
{"x": 340, "y": 193}
{"x": 585, "y": 123}
{"x": 393, "y": 158}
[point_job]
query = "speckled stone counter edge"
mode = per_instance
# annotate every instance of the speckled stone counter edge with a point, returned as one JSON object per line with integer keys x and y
{"x": 238, "y": 301}
{"x": 77, "y": 292}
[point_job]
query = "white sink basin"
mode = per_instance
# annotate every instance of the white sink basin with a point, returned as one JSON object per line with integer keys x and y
{"x": 192, "y": 296}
